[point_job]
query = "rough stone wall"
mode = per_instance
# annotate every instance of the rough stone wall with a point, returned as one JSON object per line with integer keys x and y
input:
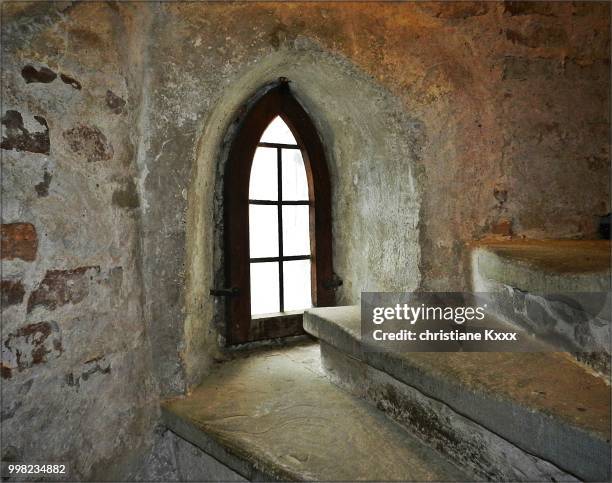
{"x": 447, "y": 122}
{"x": 77, "y": 385}
{"x": 174, "y": 459}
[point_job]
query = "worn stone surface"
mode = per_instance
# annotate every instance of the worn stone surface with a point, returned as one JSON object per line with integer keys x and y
{"x": 468, "y": 444}
{"x": 277, "y": 432}
{"x": 78, "y": 383}
{"x": 428, "y": 113}
{"x": 544, "y": 403}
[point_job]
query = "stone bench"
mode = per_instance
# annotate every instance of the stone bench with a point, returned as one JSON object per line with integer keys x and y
{"x": 274, "y": 415}
{"x": 505, "y": 416}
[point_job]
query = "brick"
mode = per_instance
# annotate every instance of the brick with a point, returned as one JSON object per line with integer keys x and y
{"x": 89, "y": 142}
{"x": 19, "y": 240}
{"x": 30, "y": 345}
{"x": 12, "y": 292}
{"x": 60, "y": 287}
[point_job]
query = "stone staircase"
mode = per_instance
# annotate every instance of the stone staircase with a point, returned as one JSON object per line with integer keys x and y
{"x": 503, "y": 416}
{"x": 529, "y": 416}
{"x": 338, "y": 412}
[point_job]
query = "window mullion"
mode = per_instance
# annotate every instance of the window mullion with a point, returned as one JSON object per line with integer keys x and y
{"x": 279, "y": 172}
{"x": 289, "y": 258}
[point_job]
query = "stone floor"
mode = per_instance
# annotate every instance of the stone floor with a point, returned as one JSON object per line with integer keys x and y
{"x": 274, "y": 415}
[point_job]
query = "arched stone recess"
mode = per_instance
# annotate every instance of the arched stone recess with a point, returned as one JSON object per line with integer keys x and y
{"x": 372, "y": 147}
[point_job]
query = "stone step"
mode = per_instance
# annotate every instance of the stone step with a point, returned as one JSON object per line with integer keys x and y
{"x": 506, "y": 416}
{"x": 274, "y": 415}
{"x": 550, "y": 266}
{"x": 556, "y": 289}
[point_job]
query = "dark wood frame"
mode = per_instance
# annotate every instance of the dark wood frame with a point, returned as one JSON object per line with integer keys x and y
{"x": 277, "y": 101}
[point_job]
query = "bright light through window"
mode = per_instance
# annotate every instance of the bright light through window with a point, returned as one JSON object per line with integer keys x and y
{"x": 278, "y": 132}
{"x": 279, "y": 224}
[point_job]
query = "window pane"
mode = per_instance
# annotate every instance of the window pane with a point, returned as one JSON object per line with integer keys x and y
{"x": 264, "y": 288}
{"x": 263, "y": 231}
{"x": 296, "y": 237}
{"x": 295, "y": 185}
{"x": 296, "y": 277}
{"x": 263, "y": 184}
{"x": 278, "y": 132}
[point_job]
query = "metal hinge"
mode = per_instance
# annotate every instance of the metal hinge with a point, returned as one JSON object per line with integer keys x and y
{"x": 333, "y": 283}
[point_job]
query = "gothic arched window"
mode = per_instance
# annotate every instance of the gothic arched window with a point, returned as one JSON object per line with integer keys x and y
{"x": 277, "y": 221}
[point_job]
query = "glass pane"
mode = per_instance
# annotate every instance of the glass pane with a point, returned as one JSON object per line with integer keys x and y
{"x": 263, "y": 184}
{"x": 278, "y": 132}
{"x": 296, "y": 235}
{"x": 263, "y": 231}
{"x": 296, "y": 277}
{"x": 264, "y": 288}
{"x": 295, "y": 185}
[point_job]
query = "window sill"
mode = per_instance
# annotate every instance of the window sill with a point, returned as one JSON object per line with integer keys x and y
{"x": 275, "y": 325}
{"x": 289, "y": 313}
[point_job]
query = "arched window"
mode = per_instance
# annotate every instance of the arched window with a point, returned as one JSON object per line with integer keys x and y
{"x": 277, "y": 220}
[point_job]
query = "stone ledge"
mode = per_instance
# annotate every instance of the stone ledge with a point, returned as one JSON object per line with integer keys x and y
{"x": 555, "y": 289}
{"x": 276, "y": 416}
{"x": 543, "y": 265}
{"x": 544, "y": 403}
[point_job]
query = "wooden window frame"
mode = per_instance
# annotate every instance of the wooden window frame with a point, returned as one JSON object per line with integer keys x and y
{"x": 241, "y": 327}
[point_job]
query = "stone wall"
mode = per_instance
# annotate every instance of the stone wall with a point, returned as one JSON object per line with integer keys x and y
{"x": 77, "y": 381}
{"x": 443, "y": 123}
